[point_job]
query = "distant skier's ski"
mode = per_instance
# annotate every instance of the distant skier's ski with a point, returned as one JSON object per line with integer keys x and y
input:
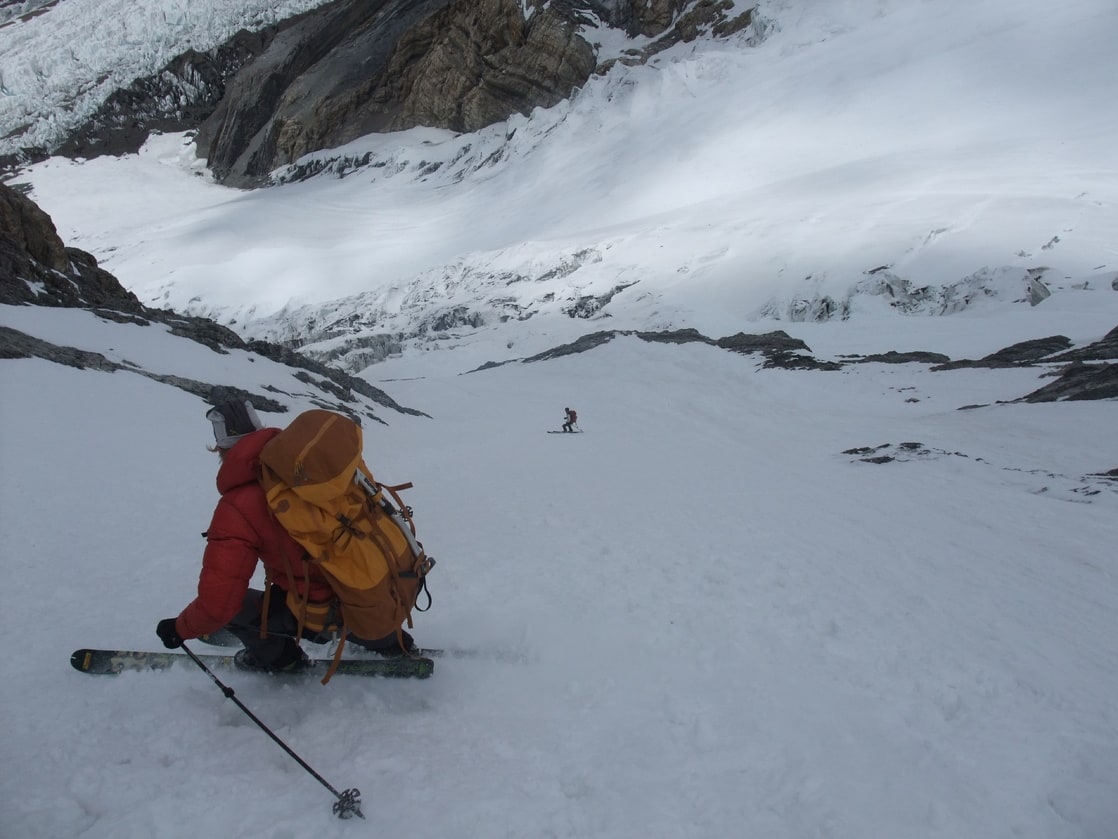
{"x": 578, "y": 431}
{"x": 112, "y": 662}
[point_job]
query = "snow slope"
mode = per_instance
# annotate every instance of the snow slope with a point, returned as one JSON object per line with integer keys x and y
{"x": 705, "y": 618}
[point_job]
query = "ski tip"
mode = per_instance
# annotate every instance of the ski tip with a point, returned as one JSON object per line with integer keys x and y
{"x": 81, "y": 660}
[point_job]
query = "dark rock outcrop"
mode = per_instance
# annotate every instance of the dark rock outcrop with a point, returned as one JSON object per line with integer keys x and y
{"x": 1067, "y": 487}
{"x": 670, "y": 22}
{"x": 777, "y": 340}
{"x": 1025, "y": 352}
{"x": 1076, "y": 381}
{"x": 358, "y": 67}
{"x": 586, "y": 342}
{"x": 675, "y": 336}
{"x": 894, "y": 357}
{"x": 778, "y": 348}
{"x": 355, "y": 67}
{"x": 178, "y": 98}
{"x": 36, "y": 268}
{"x": 29, "y": 234}
{"x": 589, "y": 305}
{"x": 16, "y": 344}
{"x": 348, "y": 68}
{"x": 1103, "y": 350}
{"x": 675, "y": 20}
{"x": 1079, "y": 382}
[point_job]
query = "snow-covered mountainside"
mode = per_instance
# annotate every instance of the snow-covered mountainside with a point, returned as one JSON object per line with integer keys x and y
{"x": 861, "y": 594}
{"x": 925, "y": 158}
{"x": 744, "y": 602}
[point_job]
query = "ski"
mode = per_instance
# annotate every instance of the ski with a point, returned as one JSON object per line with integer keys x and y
{"x": 225, "y": 638}
{"x": 112, "y": 662}
{"x": 579, "y": 431}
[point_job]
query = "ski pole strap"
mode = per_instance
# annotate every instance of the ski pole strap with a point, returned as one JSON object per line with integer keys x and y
{"x": 337, "y": 657}
{"x": 265, "y": 604}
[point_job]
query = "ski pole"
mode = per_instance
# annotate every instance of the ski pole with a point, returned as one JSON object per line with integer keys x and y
{"x": 349, "y": 801}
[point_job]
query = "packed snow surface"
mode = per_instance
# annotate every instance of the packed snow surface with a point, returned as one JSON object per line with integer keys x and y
{"x": 700, "y": 617}
{"x": 705, "y": 616}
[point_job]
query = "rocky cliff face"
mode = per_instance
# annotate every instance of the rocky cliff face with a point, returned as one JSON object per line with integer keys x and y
{"x": 36, "y": 267}
{"x": 358, "y": 67}
{"x": 178, "y": 98}
{"x": 671, "y": 21}
{"x": 353, "y": 67}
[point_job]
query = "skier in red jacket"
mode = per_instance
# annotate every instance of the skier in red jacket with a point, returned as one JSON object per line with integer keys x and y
{"x": 572, "y": 418}
{"x": 243, "y": 530}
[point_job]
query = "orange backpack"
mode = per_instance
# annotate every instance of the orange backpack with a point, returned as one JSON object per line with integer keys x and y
{"x": 320, "y": 490}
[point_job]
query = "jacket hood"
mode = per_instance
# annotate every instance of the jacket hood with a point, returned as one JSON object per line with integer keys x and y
{"x": 241, "y": 464}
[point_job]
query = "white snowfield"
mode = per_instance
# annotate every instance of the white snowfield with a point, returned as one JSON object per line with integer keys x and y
{"x": 703, "y": 617}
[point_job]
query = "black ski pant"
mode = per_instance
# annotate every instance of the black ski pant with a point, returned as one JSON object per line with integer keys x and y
{"x": 280, "y": 646}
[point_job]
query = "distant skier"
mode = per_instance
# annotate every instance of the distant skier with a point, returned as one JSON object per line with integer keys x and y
{"x": 572, "y": 418}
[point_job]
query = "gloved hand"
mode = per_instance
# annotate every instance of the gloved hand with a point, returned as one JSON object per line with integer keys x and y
{"x": 165, "y": 629}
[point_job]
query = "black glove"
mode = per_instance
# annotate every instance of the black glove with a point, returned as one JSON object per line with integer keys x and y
{"x": 165, "y": 629}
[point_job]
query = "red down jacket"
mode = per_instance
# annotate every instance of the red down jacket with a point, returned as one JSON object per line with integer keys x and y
{"x": 243, "y": 530}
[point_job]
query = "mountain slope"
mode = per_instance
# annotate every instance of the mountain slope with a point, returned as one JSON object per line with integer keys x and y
{"x": 901, "y": 156}
{"x": 705, "y": 617}
{"x": 867, "y": 600}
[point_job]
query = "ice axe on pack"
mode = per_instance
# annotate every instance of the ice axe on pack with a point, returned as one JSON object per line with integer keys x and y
{"x": 349, "y": 801}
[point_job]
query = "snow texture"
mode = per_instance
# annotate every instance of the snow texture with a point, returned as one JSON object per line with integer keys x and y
{"x": 706, "y": 616}
{"x": 702, "y": 618}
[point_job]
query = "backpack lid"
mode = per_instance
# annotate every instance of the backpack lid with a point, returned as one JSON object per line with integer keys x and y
{"x": 317, "y": 455}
